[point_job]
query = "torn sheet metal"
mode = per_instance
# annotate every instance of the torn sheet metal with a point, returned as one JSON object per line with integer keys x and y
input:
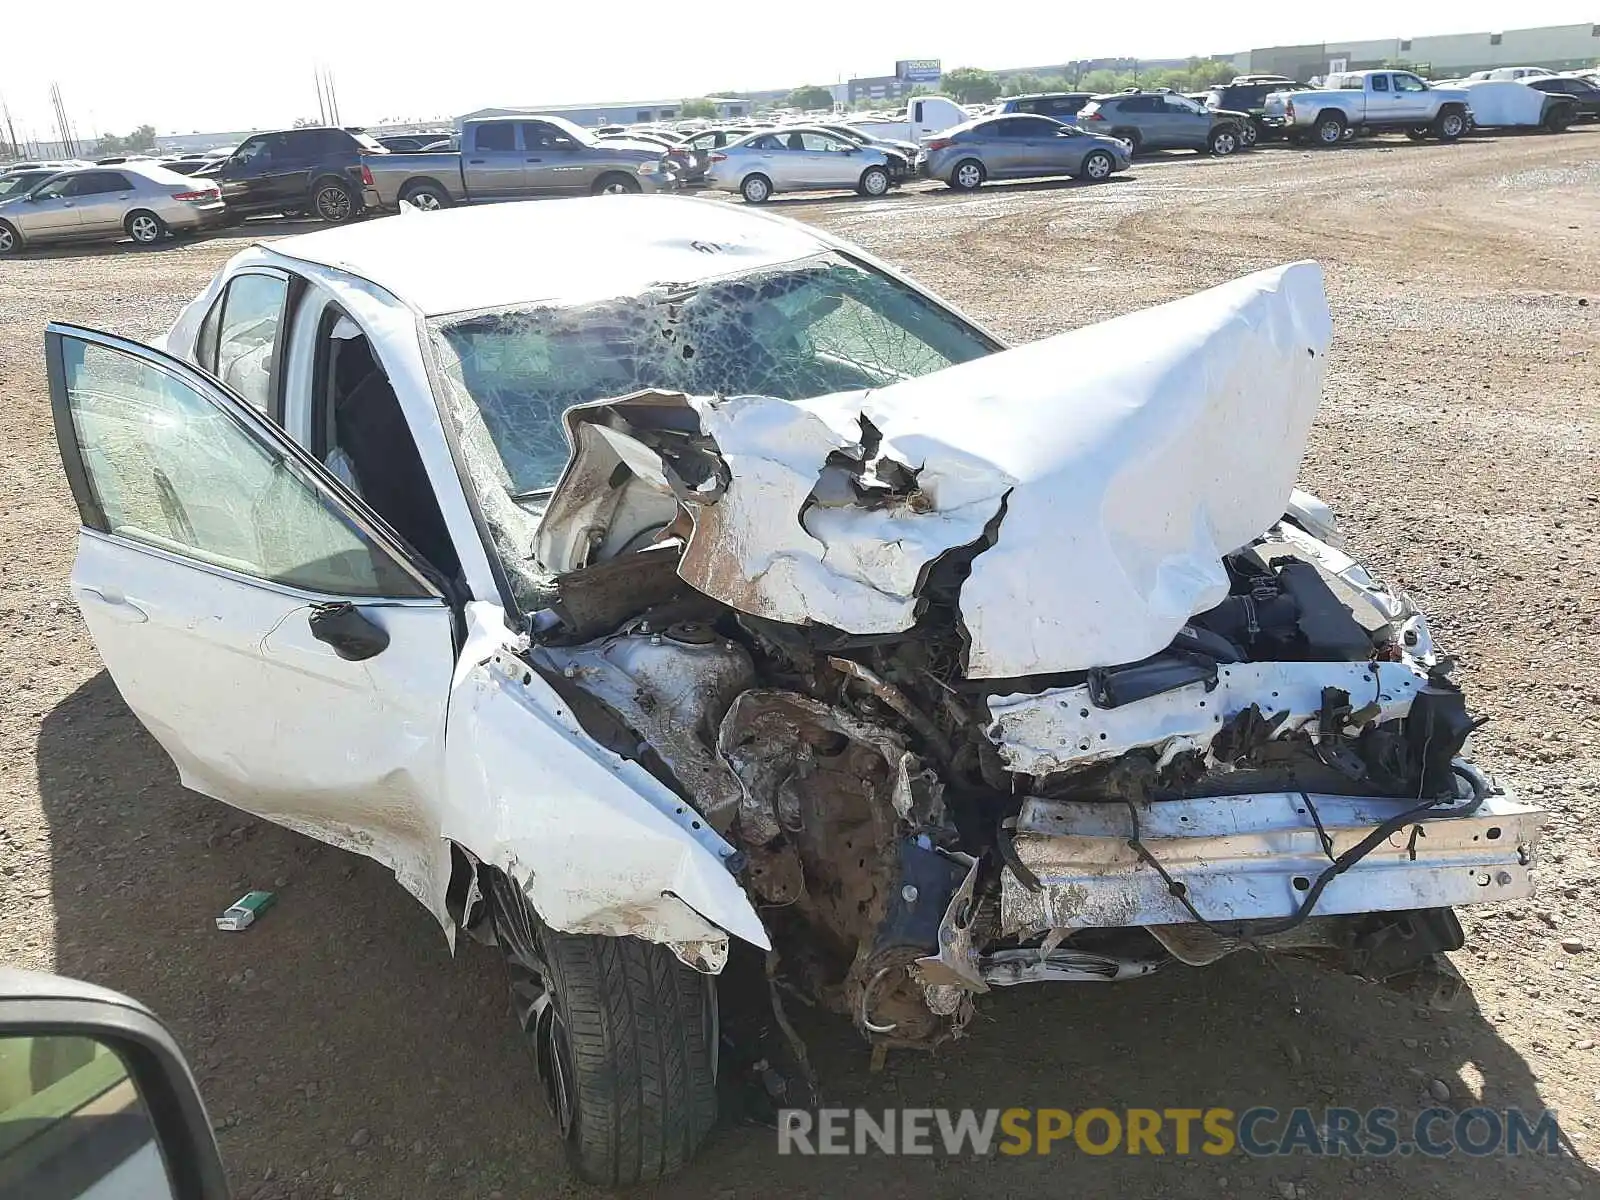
{"x": 1064, "y": 729}
{"x": 805, "y": 535}
{"x": 1131, "y": 456}
{"x": 671, "y": 687}
{"x": 1255, "y": 856}
{"x": 596, "y": 843}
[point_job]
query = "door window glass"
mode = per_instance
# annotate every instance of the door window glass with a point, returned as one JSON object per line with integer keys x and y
{"x": 1380, "y": 83}
{"x": 500, "y": 135}
{"x": 1408, "y": 83}
{"x": 536, "y": 135}
{"x": 247, "y": 338}
{"x": 56, "y": 187}
{"x": 171, "y": 469}
{"x": 94, "y": 183}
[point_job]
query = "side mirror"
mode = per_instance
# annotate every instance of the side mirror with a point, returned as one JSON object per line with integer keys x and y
{"x": 96, "y": 1099}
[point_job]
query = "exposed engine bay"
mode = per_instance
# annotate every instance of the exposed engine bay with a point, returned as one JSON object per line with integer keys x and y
{"x": 977, "y": 714}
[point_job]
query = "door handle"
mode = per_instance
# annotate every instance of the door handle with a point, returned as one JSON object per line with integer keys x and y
{"x": 477, "y": 162}
{"x": 115, "y": 604}
{"x": 535, "y": 160}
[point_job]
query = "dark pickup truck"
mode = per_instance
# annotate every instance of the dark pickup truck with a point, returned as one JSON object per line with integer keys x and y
{"x": 318, "y": 170}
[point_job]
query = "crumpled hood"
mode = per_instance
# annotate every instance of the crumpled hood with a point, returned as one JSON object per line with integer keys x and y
{"x": 1110, "y": 467}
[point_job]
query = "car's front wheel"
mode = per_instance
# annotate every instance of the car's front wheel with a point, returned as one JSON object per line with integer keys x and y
{"x": 10, "y": 239}
{"x": 1452, "y": 123}
{"x": 625, "y": 1038}
{"x": 874, "y": 182}
{"x": 1249, "y": 135}
{"x": 1224, "y": 141}
{"x": 1097, "y": 166}
{"x": 617, "y": 185}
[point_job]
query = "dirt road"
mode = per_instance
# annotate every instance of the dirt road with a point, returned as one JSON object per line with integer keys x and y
{"x": 344, "y": 1053}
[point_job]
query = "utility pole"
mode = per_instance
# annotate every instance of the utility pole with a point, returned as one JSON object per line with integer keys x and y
{"x": 11, "y": 129}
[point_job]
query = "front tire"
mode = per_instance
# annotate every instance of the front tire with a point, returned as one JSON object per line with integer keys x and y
{"x": 1450, "y": 125}
{"x": 1097, "y": 166}
{"x": 625, "y": 1037}
{"x": 1224, "y": 141}
{"x": 617, "y": 185}
{"x": 1329, "y": 129}
{"x": 756, "y": 189}
{"x": 10, "y": 240}
{"x": 968, "y": 175}
{"x": 1249, "y": 135}
{"x": 874, "y": 182}
{"x": 1559, "y": 118}
{"x": 144, "y": 227}
{"x": 334, "y": 202}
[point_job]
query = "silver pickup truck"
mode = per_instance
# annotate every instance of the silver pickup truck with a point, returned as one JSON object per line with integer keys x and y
{"x": 1375, "y": 101}
{"x": 517, "y": 158}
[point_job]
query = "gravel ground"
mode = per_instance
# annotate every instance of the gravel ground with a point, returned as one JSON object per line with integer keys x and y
{"x": 344, "y": 1053}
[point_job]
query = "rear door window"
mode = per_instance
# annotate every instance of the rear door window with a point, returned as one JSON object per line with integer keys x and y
{"x": 497, "y": 135}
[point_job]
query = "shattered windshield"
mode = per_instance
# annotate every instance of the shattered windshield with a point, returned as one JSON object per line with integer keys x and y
{"x": 803, "y": 329}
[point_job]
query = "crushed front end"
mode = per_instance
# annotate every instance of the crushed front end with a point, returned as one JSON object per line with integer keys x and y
{"x": 993, "y": 679}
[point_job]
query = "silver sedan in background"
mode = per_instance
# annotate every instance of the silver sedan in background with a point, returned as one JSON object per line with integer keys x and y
{"x": 1021, "y": 146}
{"x": 796, "y": 159}
{"x": 141, "y": 200}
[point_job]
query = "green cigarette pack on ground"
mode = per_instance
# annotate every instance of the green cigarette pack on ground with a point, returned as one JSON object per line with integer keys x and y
{"x": 242, "y": 913}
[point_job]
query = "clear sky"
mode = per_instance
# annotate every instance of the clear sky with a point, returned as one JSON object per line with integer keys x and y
{"x": 236, "y": 65}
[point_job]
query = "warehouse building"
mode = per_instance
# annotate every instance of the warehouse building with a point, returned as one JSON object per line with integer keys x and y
{"x": 1558, "y": 47}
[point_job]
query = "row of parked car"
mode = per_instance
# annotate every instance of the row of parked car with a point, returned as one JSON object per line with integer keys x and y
{"x": 337, "y": 174}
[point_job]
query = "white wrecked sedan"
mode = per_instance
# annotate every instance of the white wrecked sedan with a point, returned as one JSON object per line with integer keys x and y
{"x": 639, "y": 575}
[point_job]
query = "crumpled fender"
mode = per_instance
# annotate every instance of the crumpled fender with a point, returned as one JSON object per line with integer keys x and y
{"x": 597, "y": 844}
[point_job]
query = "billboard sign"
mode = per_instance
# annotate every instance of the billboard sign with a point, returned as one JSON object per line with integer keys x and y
{"x": 917, "y": 70}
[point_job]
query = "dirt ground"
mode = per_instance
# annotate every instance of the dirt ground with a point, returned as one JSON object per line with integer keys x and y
{"x": 343, "y": 1052}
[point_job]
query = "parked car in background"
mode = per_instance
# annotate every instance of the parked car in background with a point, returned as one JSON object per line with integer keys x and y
{"x": 1163, "y": 121}
{"x": 319, "y": 170}
{"x": 1248, "y": 95}
{"x": 1512, "y": 104}
{"x": 801, "y": 158}
{"x": 59, "y": 164}
{"x": 186, "y": 166}
{"x": 860, "y": 136}
{"x": 413, "y": 143}
{"x": 141, "y": 200}
{"x": 1372, "y": 102}
{"x": 516, "y": 158}
{"x": 1585, "y": 95}
{"x": 715, "y": 139}
{"x": 1020, "y": 146}
{"x": 923, "y": 117}
{"x": 686, "y": 161}
{"x": 15, "y": 183}
{"x": 1511, "y": 73}
{"x": 1063, "y": 106}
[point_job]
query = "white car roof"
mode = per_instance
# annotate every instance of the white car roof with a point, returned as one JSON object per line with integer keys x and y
{"x": 588, "y": 248}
